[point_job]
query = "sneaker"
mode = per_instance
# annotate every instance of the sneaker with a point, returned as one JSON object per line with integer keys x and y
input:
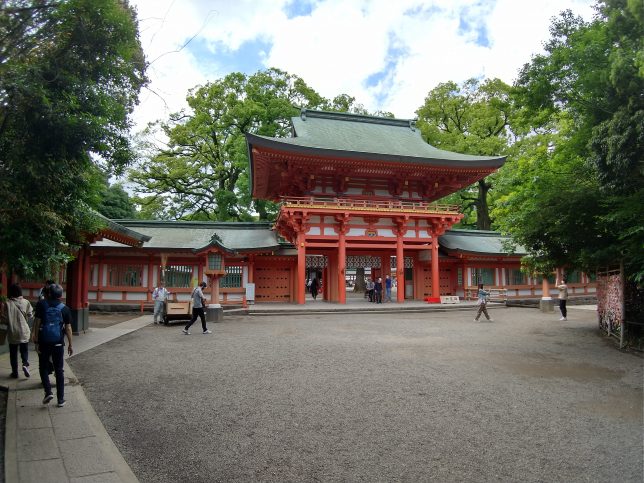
{"x": 476, "y": 320}
{"x": 185, "y": 331}
{"x": 61, "y": 403}
{"x": 48, "y": 398}
{"x": 207, "y": 331}
{"x": 25, "y": 369}
{"x": 562, "y": 318}
{"x": 13, "y": 375}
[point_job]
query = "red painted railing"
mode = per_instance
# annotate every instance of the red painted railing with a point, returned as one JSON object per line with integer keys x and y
{"x": 370, "y": 205}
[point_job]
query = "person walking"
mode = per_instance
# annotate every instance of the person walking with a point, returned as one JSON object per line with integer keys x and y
{"x": 198, "y": 304}
{"x": 482, "y": 304}
{"x": 388, "y": 288}
{"x": 563, "y": 299}
{"x": 159, "y": 295}
{"x": 16, "y": 313}
{"x": 377, "y": 291}
{"x": 52, "y": 323}
{"x": 315, "y": 286}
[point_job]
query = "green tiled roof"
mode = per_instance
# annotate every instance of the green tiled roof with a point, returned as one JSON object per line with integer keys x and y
{"x": 377, "y": 138}
{"x": 477, "y": 241}
{"x": 191, "y": 235}
{"x": 198, "y": 235}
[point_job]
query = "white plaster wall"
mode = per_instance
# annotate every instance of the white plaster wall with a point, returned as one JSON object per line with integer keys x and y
{"x": 356, "y": 232}
{"x": 381, "y": 193}
{"x": 329, "y": 231}
{"x": 424, "y": 234}
{"x": 111, "y": 296}
{"x": 104, "y": 276}
{"x": 385, "y": 232}
{"x": 136, "y": 296}
{"x": 314, "y": 230}
{"x": 314, "y": 219}
{"x": 423, "y": 223}
{"x": 94, "y": 272}
{"x": 91, "y": 296}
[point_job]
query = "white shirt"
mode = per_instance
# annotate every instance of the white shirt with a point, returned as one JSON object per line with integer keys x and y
{"x": 160, "y": 294}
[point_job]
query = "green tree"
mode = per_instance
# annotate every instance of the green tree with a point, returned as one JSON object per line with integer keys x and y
{"x": 587, "y": 89}
{"x": 70, "y": 73}
{"x": 114, "y": 202}
{"x": 472, "y": 118}
{"x": 202, "y": 172}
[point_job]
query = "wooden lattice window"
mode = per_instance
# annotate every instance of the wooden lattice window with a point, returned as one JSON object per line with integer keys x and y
{"x": 514, "y": 276}
{"x": 233, "y": 277}
{"x": 125, "y": 275}
{"x": 178, "y": 276}
{"x": 483, "y": 275}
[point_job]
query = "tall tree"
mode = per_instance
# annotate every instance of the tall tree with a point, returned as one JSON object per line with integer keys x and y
{"x": 70, "y": 73}
{"x": 202, "y": 172}
{"x": 588, "y": 85}
{"x": 472, "y": 118}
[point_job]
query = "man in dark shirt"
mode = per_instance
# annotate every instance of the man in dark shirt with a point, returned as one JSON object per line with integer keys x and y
{"x": 54, "y": 350}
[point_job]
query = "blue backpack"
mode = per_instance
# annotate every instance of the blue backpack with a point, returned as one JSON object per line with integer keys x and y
{"x": 51, "y": 329}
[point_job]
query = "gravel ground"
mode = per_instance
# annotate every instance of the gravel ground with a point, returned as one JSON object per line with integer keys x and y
{"x": 362, "y": 397}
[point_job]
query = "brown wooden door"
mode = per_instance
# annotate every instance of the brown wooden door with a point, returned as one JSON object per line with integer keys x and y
{"x": 272, "y": 283}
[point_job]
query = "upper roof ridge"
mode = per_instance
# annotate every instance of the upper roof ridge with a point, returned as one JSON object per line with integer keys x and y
{"x": 349, "y": 116}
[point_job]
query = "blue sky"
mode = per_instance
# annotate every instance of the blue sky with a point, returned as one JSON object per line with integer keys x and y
{"x": 387, "y": 54}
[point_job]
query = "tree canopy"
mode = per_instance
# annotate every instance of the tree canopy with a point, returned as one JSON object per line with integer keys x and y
{"x": 202, "y": 173}
{"x": 471, "y": 118}
{"x": 70, "y": 74}
{"x": 578, "y": 200}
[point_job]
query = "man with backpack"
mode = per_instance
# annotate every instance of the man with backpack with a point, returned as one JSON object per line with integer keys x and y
{"x": 52, "y": 323}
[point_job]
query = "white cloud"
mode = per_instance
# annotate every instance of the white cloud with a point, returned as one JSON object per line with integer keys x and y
{"x": 343, "y": 42}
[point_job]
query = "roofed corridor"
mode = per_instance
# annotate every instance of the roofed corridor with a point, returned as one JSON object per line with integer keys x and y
{"x": 352, "y": 204}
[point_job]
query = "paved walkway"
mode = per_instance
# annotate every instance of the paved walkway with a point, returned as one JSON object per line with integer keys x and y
{"x": 45, "y": 443}
{"x": 70, "y": 444}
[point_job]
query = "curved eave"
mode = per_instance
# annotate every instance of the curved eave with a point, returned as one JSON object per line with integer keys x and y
{"x": 120, "y": 234}
{"x": 460, "y": 161}
{"x": 272, "y": 147}
{"x": 233, "y": 251}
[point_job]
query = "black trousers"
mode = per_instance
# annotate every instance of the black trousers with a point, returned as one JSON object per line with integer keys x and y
{"x": 56, "y": 352}
{"x": 198, "y": 312}
{"x": 13, "y": 355}
{"x": 562, "y": 307}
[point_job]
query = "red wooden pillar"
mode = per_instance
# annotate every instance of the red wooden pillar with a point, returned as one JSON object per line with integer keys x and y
{"x": 342, "y": 265}
{"x": 400, "y": 269}
{"x": 86, "y": 274}
{"x": 251, "y": 269}
{"x": 301, "y": 268}
{"x": 436, "y": 289}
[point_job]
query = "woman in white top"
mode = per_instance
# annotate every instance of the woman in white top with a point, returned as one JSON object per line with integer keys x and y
{"x": 16, "y": 313}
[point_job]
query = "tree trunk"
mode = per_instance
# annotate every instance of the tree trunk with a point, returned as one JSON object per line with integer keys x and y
{"x": 483, "y": 221}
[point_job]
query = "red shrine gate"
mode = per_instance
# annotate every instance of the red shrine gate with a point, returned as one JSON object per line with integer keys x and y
{"x": 344, "y": 227}
{"x": 360, "y": 185}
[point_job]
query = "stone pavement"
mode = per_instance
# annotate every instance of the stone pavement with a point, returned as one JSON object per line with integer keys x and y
{"x": 45, "y": 443}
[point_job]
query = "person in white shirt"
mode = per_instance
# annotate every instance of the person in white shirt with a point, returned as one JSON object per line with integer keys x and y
{"x": 159, "y": 295}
